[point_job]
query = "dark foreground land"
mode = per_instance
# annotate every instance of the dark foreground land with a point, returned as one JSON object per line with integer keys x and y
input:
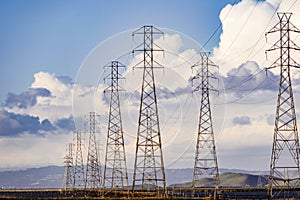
{"x": 172, "y": 193}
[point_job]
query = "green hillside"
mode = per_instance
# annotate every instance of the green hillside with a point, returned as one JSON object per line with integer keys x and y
{"x": 230, "y": 179}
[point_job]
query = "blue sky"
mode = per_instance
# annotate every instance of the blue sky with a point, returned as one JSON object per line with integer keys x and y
{"x": 44, "y": 45}
{"x": 56, "y": 36}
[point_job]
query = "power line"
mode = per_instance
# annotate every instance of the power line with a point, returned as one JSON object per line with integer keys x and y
{"x": 219, "y": 26}
{"x": 263, "y": 33}
{"x": 247, "y": 94}
{"x": 253, "y": 46}
{"x": 292, "y": 5}
{"x": 238, "y": 34}
{"x": 249, "y": 77}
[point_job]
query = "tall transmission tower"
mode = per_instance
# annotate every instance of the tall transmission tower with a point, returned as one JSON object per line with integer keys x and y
{"x": 149, "y": 172}
{"x": 69, "y": 168}
{"x": 206, "y": 164}
{"x": 93, "y": 170}
{"x": 79, "y": 179}
{"x": 115, "y": 170}
{"x": 284, "y": 167}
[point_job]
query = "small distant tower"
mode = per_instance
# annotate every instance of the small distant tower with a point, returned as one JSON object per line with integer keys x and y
{"x": 69, "y": 168}
{"x": 93, "y": 171}
{"x": 284, "y": 167}
{"x": 115, "y": 170}
{"x": 206, "y": 165}
{"x": 259, "y": 181}
{"x": 79, "y": 179}
{"x": 149, "y": 172}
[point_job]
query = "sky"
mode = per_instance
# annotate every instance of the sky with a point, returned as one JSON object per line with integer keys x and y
{"x": 52, "y": 57}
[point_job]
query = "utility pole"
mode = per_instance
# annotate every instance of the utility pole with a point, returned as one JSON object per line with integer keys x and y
{"x": 206, "y": 165}
{"x": 284, "y": 167}
{"x": 79, "y": 181}
{"x": 149, "y": 172}
{"x": 93, "y": 171}
{"x": 69, "y": 170}
{"x": 115, "y": 170}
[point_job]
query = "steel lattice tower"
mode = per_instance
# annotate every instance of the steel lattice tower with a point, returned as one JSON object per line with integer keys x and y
{"x": 284, "y": 167}
{"x": 115, "y": 170}
{"x": 149, "y": 170}
{"x": 93, "y": 171}
{"x": 69, "y": 168}
{"x": 79, "y": 179}
{"x": 206, "y": 164}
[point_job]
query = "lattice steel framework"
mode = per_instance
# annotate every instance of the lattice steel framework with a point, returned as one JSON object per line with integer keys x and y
{"x": 93, "y": 170}
{"x": 206, "y": 164}
{"x": 69, "y": 167}
{"x": 79, "y": 179}
{"x": 115, "y": 170}
{"x": 149, "y": 173}
{"x": 284, "y": 167}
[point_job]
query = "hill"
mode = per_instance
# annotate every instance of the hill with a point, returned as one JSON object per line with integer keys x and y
{"x": 230, "y": 179}
{"x": 43, "y": 177}
{"x": 52, "y": 177}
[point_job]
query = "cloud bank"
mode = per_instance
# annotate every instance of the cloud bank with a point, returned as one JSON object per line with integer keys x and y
{"x": 247, "y": 93}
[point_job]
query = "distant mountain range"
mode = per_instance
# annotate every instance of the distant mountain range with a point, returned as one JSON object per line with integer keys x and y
{"x": 52, "y": 177}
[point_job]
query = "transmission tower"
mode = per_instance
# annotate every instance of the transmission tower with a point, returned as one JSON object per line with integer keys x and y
{"x": 115, "y": 170}
{"x": 206, "y": 164}
{"x": 149, "y": 170}
{"x": 284, "y": 167}
{"x": 79, "y": 181}
{"x": 93, "y": 171}
{"x": 259, "y": 181}
{"x": 69, "y": 170}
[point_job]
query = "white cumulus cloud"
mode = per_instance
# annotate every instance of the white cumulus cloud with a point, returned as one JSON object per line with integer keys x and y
{"x": 243, "y": 31}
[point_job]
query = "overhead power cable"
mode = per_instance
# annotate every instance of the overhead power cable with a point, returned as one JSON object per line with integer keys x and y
{"x": 219, "y": 26}
{"x": 252, "y": 47}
